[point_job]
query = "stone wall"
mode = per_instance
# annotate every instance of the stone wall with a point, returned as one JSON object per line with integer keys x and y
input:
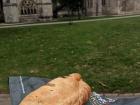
{"x": 13, "y": 13}
{"x": 12, "y": 9}
{"x": 129, "y": 6}
{"x": 113, "y": 7}
{"x": 93, "y": 7}
{"x": 110, "y": 7}
{"x": 122, "y": 7}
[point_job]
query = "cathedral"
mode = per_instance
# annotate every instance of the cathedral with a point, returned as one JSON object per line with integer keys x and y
{"x": 112, "y": 7}
{"x": 15, "y": 11}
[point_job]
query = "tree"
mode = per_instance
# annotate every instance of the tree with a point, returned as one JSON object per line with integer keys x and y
{"x": 70, "y": 5}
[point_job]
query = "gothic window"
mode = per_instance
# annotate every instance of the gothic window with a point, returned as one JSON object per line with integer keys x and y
{"x": 28, "y": 7}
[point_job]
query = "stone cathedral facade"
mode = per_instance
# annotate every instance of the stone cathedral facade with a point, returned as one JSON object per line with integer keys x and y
{"x": 27, "y": 10}
{"x": 42, "y": 10}
{"x": 112, "y": 7}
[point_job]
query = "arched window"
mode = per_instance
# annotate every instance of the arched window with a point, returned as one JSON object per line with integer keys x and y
{"x": 28, "y": 7}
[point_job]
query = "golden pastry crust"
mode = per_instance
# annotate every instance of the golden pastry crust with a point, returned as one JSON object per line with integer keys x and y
{"x": 70, "y": 90}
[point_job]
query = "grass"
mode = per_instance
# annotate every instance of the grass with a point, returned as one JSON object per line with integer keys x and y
{"x": 105, "y": 53}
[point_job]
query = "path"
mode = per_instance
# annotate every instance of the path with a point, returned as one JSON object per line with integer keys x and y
{"x": 65, "y": 22}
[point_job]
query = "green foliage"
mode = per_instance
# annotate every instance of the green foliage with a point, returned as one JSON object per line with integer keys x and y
{"x": 69, "y": 5}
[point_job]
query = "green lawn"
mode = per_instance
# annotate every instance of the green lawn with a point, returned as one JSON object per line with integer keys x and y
{"x": 106, "y": 53}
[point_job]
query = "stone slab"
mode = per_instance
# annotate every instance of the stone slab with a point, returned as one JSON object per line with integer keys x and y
{"x": 4, "y": 99}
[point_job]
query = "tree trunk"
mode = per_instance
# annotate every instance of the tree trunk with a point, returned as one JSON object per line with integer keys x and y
{"x": 55, "y": 14}
{"x": 56, "y": 10}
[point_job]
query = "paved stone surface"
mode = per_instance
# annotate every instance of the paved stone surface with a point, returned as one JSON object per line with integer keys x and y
{"x": 4, "y": 99}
